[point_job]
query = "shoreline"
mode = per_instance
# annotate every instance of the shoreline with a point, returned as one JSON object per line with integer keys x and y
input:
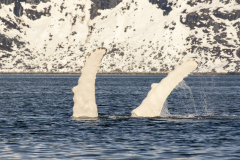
{"x": 126, "y": 73}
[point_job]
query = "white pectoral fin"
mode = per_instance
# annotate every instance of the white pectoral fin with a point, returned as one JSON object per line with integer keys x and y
{"x": 152, "y": 105}
{"x": 84, "y": 93}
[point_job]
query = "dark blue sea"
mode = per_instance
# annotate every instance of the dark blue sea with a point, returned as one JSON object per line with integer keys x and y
{"x": 201, "y": 119}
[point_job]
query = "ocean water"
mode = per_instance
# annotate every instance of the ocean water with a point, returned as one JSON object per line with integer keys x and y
{"x": 201, "y": 119}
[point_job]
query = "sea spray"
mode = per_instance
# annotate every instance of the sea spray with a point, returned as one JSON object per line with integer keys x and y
{"x": 165, "y": 112}
{"x": 190, "y": 104}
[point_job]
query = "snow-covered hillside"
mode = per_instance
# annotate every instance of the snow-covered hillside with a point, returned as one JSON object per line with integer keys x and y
{"x": 140, "y": 35}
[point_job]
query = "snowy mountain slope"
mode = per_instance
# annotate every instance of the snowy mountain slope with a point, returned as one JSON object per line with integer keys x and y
{"x": 141, "y": 36}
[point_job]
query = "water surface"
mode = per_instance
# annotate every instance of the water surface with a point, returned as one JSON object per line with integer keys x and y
{"x": 35, "y": 117}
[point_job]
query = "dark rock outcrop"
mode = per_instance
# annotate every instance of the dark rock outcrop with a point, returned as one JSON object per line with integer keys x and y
{"x": 164, "y": 5}
{"x": 225, "y": 1}
{"x": 219, "y": 39}
{"x": 202, "y": 19}
{"x": 7, "y": 2}
{"x": 238, "y": 53}
{"x": 237, "y": 24}
{"x": 102, "y": 4}
{"x": 235, "y": 14}
{"x": 9, "y": 24}
{"x": 108, "y": 4}
{"x": 34, "y": 14}
{"x": 36, "y": 1}
{"x": 195, "y": 2}
{"x": 18, "y": 9}
{"x": 5, "y": 43}
{"x": 195, "y": 19}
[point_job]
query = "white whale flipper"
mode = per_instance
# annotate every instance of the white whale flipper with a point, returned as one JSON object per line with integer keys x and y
{"x": 152, "y": 105}
{"x": 84, "y": 93}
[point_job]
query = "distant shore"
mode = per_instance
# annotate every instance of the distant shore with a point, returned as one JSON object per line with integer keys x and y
{"x": 127, "y": 73}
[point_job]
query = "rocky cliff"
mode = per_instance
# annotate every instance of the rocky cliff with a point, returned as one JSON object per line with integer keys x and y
{"x": 141, "y": 36}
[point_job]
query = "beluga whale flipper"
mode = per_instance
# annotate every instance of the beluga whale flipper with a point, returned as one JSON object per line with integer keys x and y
{"x": 84, "y": 93}
{"x": 152, "y": 105}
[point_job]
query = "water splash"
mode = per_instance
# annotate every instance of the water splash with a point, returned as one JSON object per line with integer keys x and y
{"x": 206, "y": 93}
{"x": 187, "y": 91}
{"x": 203, "y": 94}
{"x": 165, "y": 112}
